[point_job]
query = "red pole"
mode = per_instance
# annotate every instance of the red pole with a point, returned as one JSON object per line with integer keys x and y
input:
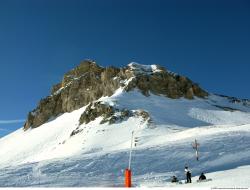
{"x": 128, "y": 182}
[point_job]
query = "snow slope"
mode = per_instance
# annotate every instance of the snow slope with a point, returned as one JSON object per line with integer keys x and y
{"x": 97, "y": 156}
{"x": 227, "y": 179}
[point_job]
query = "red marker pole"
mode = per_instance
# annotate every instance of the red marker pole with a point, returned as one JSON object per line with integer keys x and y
{"x": 128, "y": 182}
{"x": 128, "y": 172}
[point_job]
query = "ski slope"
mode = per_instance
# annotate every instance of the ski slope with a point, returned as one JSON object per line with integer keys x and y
{"x": 48, "y": 156}
{"x": 233, "y": 178}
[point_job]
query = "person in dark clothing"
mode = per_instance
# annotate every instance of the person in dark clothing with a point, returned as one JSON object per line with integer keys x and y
{"x": 174, "y": 179}
{"x": 188, "y": 175}
{"x": 202, "y": 177}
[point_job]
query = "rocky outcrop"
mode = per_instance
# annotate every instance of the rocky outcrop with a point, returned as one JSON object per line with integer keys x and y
{"x": 89, "y": 81}
{"x": 172, "y": 86}
{"x": 82, "y": 85}
{"x": 110, "y": 114}
{"x": 95, "y": 110}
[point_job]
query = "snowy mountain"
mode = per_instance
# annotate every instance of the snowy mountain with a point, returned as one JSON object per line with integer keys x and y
{"x": 80, "y": 135}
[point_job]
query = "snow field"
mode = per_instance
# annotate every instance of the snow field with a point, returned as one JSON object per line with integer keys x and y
{"x": 97, "y": 156}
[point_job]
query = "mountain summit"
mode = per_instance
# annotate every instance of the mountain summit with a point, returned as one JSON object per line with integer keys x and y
{"x": 88, "y": 82}
{"x": 80, "y": 135}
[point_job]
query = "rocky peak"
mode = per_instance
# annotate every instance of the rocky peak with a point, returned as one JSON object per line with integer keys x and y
{"x": 88, "y": 82}
{"x": 85, "y": 67}
{"x": 137, "y": 68}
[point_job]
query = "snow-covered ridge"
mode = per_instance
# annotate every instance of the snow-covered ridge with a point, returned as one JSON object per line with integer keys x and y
{"x": 139, "y": 68}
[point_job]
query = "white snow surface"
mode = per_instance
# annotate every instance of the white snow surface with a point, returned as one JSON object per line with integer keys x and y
{"x": 139, "y": 68}
{"x": 48, "y": 156}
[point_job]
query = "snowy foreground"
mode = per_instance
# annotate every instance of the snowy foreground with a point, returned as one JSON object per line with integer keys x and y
{"x": 97, "y": 156}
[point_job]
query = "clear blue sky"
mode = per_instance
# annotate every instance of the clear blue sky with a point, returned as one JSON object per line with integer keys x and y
{"x": 208, "y": 41}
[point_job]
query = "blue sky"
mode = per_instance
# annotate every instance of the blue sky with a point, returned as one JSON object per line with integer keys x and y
{"x": 208, "y": 41}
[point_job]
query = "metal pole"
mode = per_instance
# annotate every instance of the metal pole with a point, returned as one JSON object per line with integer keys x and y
{"x": 196, "y": 146}
{"x": 197, "y": 157}
{"x": 130, "y": 153}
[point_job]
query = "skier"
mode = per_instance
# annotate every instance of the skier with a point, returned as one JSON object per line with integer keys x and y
{"x": 188, "y": 175}
{"x": 202, "y": 177}
{"x": 174, "y": 179}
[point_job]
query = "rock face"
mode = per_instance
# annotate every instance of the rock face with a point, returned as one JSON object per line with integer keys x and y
{"x": 95, "y": 110}
{"x": 110, "y": 114}
{"x": 89, "y": 82}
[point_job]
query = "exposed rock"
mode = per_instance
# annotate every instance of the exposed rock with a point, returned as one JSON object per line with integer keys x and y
{"x": 235, "y": 100}
{"x": 166, "y": 84}
{"x": 88, "y": 82}
{"x": 189, "y": 94}
{"x": 118, "y": 116}
{"x": 227, "y": 108}
{"x": 47, "y": 108}
{"x": 109, "y": 113}
{"x": 95, "y": 110}
{"x": 76, "y": 131}
{"x": 145, "y": 115}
